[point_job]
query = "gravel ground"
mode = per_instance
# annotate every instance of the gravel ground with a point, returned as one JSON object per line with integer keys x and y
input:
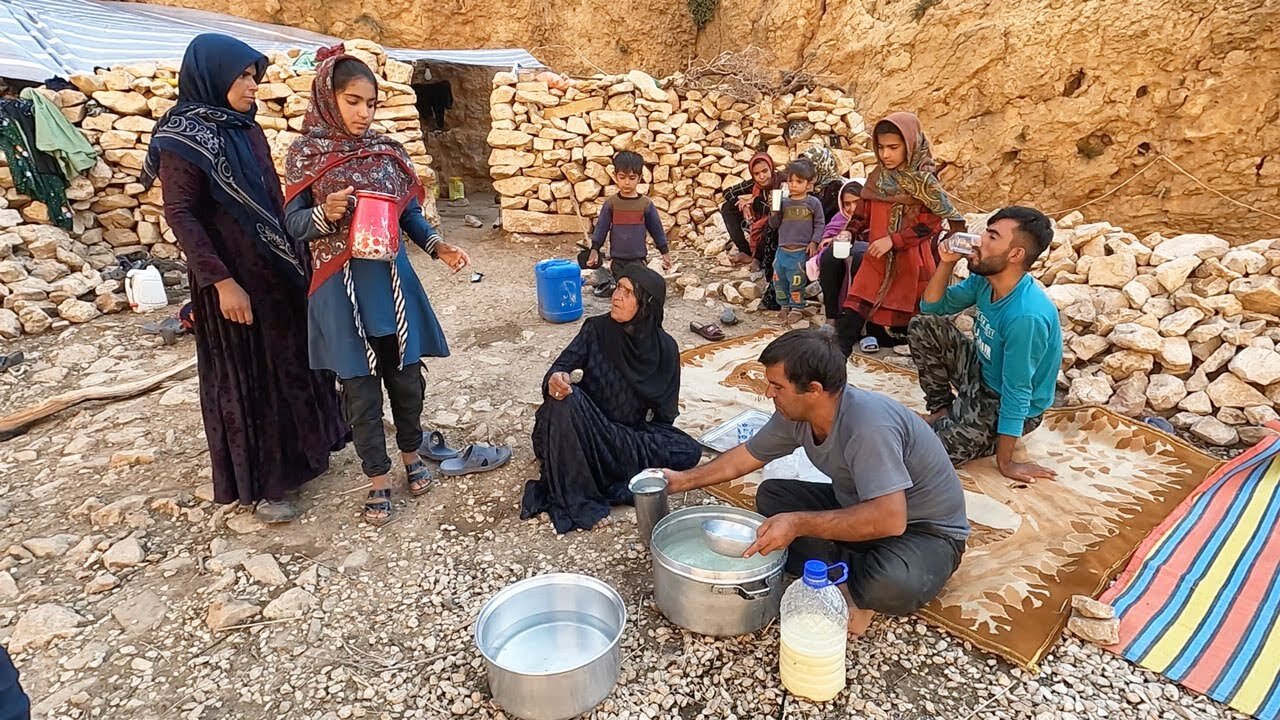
{"x": 121, "y": 566}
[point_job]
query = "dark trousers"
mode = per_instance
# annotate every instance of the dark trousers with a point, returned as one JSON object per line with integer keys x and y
{"x": 735, "y": 223}
{"x": 893, "y": 575}
{"x": 362, "y": 405}
{"x": 832, "y": 272}
{"x": 951, "y": 377}
{"x": 617, "y": 265}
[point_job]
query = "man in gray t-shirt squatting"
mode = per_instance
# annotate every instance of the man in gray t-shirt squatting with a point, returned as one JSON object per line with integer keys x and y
{"x": 894, "y": 511}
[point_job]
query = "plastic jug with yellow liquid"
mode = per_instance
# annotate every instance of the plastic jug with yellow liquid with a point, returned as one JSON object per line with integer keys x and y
{"x": 815, "y": 622}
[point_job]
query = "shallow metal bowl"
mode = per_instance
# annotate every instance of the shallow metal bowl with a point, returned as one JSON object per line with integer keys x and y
{"x": 728, "y": 537}
{"x": 552, "y": 644}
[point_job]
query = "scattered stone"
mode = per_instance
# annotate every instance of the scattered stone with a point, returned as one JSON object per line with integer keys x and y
{"x": 295, "y": 602}
{"x": 1091, "y": 608}
{"x": 1099, "y": 632}
{"x": 123, "y": 555}
{"x": 129, "y": 458}
{"x": 8, "y": 587}
{"x": 101, "y": 583}
{"x": 46, "y": 547}
{"x": 244, "y": 523}
{"x": 229, "y": 560}
{"x": 138, "y": 614}
{"x": 226, "y": 611}
{"x": 264, "y": 570}
{"x": 115, "y": 513}
{"x": 43, "y": 624}
{"x": 354, "y": 562}
{"x": 1215, "y": 432}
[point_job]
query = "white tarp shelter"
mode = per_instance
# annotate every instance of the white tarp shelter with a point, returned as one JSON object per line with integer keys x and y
{"x": 42, "y": 39}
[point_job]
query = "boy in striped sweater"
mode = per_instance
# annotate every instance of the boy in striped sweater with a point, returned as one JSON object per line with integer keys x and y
{"x": 626, "y": 219}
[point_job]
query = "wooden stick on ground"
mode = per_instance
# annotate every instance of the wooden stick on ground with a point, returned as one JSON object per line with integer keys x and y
{"x": 17, "y": 421}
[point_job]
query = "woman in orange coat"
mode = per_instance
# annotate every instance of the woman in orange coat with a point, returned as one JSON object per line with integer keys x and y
{"x": 902, "y": 207}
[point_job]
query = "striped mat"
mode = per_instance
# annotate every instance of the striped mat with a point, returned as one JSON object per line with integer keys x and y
{"x": 1200, "y": 600}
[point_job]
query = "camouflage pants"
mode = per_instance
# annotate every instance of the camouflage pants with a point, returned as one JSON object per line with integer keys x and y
{"x": 951, "y": 377}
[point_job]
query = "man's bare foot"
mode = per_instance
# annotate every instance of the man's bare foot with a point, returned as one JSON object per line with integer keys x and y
{"x": 859, "y": 621}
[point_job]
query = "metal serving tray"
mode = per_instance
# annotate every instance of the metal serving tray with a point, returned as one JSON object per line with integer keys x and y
{"x": 735, "y": 431}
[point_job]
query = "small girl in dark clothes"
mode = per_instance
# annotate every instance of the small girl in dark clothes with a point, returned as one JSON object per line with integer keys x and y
{"x": 369, "y": 321}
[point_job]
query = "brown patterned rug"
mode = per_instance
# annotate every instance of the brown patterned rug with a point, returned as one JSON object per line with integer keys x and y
{"x": 1032, "y": 547}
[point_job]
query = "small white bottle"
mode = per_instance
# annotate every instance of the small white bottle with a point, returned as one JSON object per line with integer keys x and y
{"x": 814, "y": 629}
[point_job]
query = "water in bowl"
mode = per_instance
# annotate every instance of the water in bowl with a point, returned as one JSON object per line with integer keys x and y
{"x": 552, "y": 642}
{"x": 688, "y": 546}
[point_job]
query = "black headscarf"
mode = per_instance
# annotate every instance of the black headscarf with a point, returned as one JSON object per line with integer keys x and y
{"x": 645, "y": 354}
{"x": 206, "y": 131}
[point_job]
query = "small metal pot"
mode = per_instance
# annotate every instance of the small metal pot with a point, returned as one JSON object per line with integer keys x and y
{"x": 552, "y": 645}
{"x": 722, "y": 602}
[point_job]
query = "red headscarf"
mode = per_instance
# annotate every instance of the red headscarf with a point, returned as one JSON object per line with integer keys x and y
{"x": 328, "y": 159}
{"x": 761, "y": 222}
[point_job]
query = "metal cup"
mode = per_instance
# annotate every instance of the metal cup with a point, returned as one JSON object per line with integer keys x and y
{"x": 650, "y": 490}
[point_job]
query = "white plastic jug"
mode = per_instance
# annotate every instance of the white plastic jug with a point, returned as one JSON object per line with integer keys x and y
{"x": 145, "y": 290}
{"x": 815, "y": 625}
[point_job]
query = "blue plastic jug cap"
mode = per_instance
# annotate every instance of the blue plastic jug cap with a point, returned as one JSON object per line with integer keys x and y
{"x": 815, "y": 574}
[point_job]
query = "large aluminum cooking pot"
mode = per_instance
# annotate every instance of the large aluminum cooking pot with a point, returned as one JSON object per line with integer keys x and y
{"x": 706, "y": 592}
{"x": 552, "y": 644}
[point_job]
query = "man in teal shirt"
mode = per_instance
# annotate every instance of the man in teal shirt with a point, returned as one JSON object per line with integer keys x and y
{"x": 1004, "y": 378}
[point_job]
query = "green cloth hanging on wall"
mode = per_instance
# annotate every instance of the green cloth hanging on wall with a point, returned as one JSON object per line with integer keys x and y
{"x": 35, "y": 174}
{"x": 58, "y": 138}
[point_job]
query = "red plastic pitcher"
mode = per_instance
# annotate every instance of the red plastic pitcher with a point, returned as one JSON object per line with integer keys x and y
{"x": 375, "y": 227}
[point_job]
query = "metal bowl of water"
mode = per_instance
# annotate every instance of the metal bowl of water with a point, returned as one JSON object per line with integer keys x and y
{"x": 727, "y": 537}
{"x": 552, "y": 645}
{"x": 708, "y": 591}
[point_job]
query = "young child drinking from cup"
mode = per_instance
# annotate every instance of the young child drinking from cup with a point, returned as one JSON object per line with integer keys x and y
{"x": 800, "y": 222}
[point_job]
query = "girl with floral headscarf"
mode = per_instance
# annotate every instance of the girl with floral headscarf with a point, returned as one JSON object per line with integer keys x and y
{"x": 902, "y": 208}
{"x": 368, "y": 320}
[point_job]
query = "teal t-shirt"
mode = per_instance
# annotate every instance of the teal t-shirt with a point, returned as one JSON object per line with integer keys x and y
{"x": 1019, "y": 339}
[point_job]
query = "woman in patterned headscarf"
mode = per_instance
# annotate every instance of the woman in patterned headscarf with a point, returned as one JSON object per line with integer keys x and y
{"x": 269, "y": 420}
{"x": 902, "y": 207}
{"x": 369, "y": 320}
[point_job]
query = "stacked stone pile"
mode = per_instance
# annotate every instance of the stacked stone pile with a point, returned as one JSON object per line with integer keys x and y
{"x": 1182, "y": 327}
{"x": 49, "y": 277}
{"x": 552, "y": 148}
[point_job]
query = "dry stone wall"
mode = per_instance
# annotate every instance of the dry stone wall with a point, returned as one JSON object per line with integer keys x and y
{"x": 553, "y": 148}
{"x": 50, "y": 277}
{"x": 1184, "y": 327}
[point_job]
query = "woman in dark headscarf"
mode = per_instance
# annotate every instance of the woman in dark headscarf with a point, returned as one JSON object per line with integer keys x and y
{"x": 270, "y": 421}
{"x": 593, "y": 436}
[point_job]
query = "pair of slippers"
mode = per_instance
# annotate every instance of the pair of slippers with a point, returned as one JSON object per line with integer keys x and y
{"x": 468, "y": 461}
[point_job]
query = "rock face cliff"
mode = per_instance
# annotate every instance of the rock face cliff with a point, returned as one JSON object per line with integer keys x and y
{"x": 1045, "y": 102}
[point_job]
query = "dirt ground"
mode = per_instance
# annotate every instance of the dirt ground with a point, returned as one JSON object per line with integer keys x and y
{"x": 380, "y": 625}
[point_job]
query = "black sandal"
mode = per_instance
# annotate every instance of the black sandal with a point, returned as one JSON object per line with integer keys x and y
{"x": 421, "y": 479}
{"x": 377, "y": 507}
